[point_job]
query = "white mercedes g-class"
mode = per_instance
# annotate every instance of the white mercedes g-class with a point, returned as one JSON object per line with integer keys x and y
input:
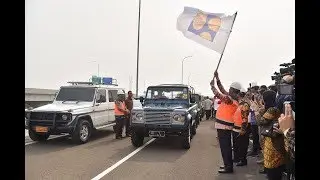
{"x": 77, "y": 110}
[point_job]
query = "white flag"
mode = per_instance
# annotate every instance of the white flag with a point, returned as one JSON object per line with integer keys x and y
{"x": 209, "y": 29}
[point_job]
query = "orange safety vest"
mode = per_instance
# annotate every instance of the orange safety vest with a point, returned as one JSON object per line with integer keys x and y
{"x": 117, "y": 111}
{"x": 226, "y": 112}
{"x": 237, "y": 117}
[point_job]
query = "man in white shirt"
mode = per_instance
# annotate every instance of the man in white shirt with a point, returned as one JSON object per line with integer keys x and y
{"x": 207, "y": 107}
{"x": 215, "y": 106}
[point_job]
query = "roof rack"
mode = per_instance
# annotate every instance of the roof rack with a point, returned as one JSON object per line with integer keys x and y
{"x": 74, "y": 83}
{"x": 172, "y": 85}
{"x": 80, "y": 83}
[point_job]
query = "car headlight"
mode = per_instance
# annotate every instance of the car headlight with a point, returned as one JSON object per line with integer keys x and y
{"x": 64, "y": 117}
{"x": 138, "y": 117}
{"x": 178, "y": 118}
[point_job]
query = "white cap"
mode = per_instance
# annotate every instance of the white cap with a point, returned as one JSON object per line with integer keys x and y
{"x": 236, "y": 85}
{"x": 243, "y": 90}
{"x": 120, "y": 92}
{"x": 254, "y": 84}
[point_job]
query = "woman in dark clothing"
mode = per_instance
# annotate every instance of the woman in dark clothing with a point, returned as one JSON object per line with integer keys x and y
{"x": 274, "y": 153}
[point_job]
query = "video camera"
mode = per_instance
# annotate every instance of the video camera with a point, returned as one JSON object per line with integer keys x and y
{"x": 289, "y": 69}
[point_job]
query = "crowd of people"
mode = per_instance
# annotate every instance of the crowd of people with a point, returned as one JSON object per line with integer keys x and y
{"x": 262, "y": 114}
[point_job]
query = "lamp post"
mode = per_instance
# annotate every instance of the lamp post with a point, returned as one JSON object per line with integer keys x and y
{"x": 182, "y": 68}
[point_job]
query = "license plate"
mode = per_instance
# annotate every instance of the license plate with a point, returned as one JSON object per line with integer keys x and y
{"x": 41, "y": 129}
{"x": 157, "y": 133}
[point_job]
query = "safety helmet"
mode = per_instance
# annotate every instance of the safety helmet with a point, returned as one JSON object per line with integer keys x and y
{"x": 236, "y": 85}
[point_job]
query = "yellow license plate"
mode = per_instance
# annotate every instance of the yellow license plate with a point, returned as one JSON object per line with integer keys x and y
{"x": 41, "y": 129}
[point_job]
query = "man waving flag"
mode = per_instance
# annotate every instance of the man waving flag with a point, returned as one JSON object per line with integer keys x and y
{"x": 209, "y": 29}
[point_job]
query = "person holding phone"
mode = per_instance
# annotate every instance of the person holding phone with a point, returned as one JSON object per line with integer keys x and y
{"x": 287, "y": 126}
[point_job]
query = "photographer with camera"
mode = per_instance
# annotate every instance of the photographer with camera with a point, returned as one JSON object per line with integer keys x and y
{"x": 285, "y": 102}
{"x": 287, "y": 85}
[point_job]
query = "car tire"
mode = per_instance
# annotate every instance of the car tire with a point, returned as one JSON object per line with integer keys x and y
{"x": 187, "y": 139}
{"x": 137, "y": 139}
{"x": 82, "y": 132}
{"x": 38, "y": 137}
{"x": 194, "y": 130}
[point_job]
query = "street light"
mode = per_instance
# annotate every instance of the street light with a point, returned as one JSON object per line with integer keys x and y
{"x": 182, "y": 67}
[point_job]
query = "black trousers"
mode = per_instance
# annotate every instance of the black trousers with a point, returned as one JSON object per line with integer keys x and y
{"x": 119, "y": 125}
{"x": 224, "y": 137}
{"x": 127, "y": 124}
{"x": 240, "y": 146}
{"x": 254, "y": 130}
{"x": 275, "y": 173}
{"x": 208, "y": 114}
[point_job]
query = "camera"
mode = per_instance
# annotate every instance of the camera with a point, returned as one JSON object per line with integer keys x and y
{"x": 288, "y": 69}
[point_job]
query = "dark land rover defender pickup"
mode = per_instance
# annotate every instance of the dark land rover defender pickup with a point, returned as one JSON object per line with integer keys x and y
{"x": 168, "y": 110}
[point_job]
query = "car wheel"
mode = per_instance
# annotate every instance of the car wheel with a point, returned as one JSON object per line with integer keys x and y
{"x": 82, "y": 132}
{"x": 194, "y": 130}
{"x": 187, "y": 139}
{"x": 137, "y": 139}
{"x": 38, "y": 137}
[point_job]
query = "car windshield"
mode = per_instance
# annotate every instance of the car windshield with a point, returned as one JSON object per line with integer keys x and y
{"x": 167, "y": 93}
{"x": 76, "y": 94}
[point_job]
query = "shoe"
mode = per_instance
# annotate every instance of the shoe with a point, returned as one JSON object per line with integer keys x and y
{"x": 242, "y": 163}
{"x": 128, "y": 135}
{"x": 252, "y": 153}
{"x": 260, "y": 161}
{"x": 222, "y": 167}
{"x": 118, "y": 137}
{"x": 226, "y": 170}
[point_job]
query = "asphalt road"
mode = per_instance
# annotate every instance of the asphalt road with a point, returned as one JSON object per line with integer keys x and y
{"x": 164, "y": 158}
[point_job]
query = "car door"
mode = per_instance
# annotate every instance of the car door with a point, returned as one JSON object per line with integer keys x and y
{"x": 101, "y": 106}
{"x": 112, "y": 96}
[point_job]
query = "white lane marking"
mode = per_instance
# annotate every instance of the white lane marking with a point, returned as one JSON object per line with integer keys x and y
{"x": 105, "y": 172}
{"x": 32, "y": 142}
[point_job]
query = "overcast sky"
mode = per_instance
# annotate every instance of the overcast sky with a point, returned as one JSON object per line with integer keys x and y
{"x": 67, "y": 39}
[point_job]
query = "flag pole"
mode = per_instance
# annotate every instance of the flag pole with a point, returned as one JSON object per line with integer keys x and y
{"x": 226, "y": 42}
{"x": 137, "y": 77}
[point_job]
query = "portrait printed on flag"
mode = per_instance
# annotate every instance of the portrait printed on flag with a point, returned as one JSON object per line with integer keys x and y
{"x": 205, "y": 25}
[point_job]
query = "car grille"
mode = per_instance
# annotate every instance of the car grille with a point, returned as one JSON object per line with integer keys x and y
{"x": 46, "y": 119}
{"x": 158, "y": 117}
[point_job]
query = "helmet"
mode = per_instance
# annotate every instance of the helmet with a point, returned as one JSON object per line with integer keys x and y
{"x": 236, "y": 85}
